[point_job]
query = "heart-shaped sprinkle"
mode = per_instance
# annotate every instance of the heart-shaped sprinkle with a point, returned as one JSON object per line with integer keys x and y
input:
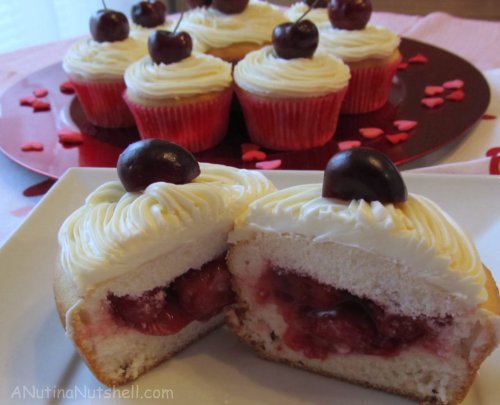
{"x": 457, "y": 95}
{"x": 493, "y": 151}
{"x": 344, "y": 145}
{"x": 419, "y": 58}
{"x": 32, "y": 147}
{"x": 454, "y": 84}
{"x": 405, "y": 125}
{"x": 252, "y": 155}
{"x": 433, "y": 90}
{"x": 495, "y": 165}
{"x": 489, "y": 117}
{"x": 371, "y": 132}
{"x": 39, "y": 105}
{"x": 69, "y": 137}
{"x": 247, "y": 147}
{"x": 40, "y": 93}
{"x": 402, "y": 65}
{"x": 432, "y": 102}
{"x": 268, "y": 164}
{"x": 67, "y": 88}
{"x": 397, "y": 138}
{"x": 26, "y": 101}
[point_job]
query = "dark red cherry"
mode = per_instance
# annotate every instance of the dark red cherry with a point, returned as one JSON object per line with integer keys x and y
{"x": 169, "y": 47}
{"x": 349, "y": 14}
{"x": 198, "y": 3}
{"x": 149, "y": 14}
{"x": 316, "y": 3}
{"x": 230, "y": 6}
{"x": 295, "y": 40}
{"x": 151, "y": 160}
{"x": 109, "y": 26}
{"x": 363, "y": 173}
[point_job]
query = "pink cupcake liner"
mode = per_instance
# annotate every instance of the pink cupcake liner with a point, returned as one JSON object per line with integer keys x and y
{"x": 103, "y": 104}
{"x": 197, "y": 126}
{"x": 369, "y": 88}
{"x": 290, "y": 124}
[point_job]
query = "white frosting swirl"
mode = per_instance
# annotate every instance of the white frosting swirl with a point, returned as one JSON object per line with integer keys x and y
{"x": 352, "y": 46}
{"x": 262, "y": 72}
{"x": 89, "y": 59}
{"x": 142, "y": 33}
{"x": 416, "y": 233}
{"x": 218, "y": 30}
{"x": 115, "y": 231}
{"x": 198, "y": 73}
{"x": 319, "y": 16}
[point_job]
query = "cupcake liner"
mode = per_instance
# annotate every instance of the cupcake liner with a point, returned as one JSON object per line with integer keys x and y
{"x": 196, "y": 125}
{"x": 103, "y": 104}
{"x": 369, "y": 88}
{"x": 290, "y": 124}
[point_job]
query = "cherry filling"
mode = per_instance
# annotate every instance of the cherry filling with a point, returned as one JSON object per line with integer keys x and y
{"x": 196, "y": 295}
{"x": 322, "y": 320}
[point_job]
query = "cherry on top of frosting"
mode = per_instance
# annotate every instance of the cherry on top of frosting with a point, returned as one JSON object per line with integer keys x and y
{"x": 108, "y": 25}
{"x": 363, "y": 173}
{"x": 230, "y": 6}
{"x": 169, "y": 46}
{"x": 149, "y": 14}
{"x": 152, "y": 160}
{"x": 198, "y": 3}
{"x": 349, "y": 14}
{"x": 316, "y": 4}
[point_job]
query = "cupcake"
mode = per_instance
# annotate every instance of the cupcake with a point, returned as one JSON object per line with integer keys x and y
{"x": 96, "y": 65}
{"x": 318, "y": 15}
{"x": 370, "y": 51}
{"x": 290, "y": 94}
{"x": 230, "y": 29}
{"x": 179, "y": 95}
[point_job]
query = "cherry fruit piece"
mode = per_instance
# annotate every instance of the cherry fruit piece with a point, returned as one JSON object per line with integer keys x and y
{"x": 109, "y": 26}
{"x": 295, "y": 40}
{"x": 149, "y": 14}
{"x": 230, "y": 6}
{"x": 169, "y": 47}
{"x": 152, "y": 160}
{"x": 316, "y": 3}
{"x": 363, "y": 173}
{"x": 198, "y": 3}
{"x": 349, "y": 14}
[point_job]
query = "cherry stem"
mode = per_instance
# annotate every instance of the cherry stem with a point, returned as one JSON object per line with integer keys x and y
{"x": 178, "y": 22}
{"x": 307, "y": 12}
{"x": 104, "y": 5}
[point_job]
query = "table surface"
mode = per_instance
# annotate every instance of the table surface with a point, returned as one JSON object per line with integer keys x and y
{"x": 474, "y": 40}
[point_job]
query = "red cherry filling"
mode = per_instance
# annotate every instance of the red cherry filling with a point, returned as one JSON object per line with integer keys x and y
{"x": 196, "y": 295}
{"x": 322, "y": 320}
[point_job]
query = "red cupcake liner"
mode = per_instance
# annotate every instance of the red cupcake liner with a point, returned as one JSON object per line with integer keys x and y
{"x": 369, "y": 88}
{"x": 197, "y": 125}
{"x": 290, "y": 124}
{"x": 103, "y": 104}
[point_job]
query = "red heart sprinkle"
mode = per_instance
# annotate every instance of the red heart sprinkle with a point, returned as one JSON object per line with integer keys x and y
{"x": 489, "y": 117}
{"x": 405, "y": 125}
{"x": 344, "y": 145}
{"x": 253, "y": 155}
{"x": 493, "y": 151}
{"x": 397, "y": 138}
{"x": 495, "y": 165}
{"x": 371, "y": 133}
{"x": 454, "y": 84}
{"x": 419, "y": 58}
{"x": 27, "y": 101}
{"x": 39, "y": 105}
{"x": 433, "y": 90}
{"x": 457, "y": 95}
{"x": 247, "y": 147}
{"x": 432, "y": 102}
{"x": 67, "y": 88}
{"x": 268, "y": 164}
{"x": 402, "y": 66}
{"x": 32, "y": 147}
{"x": 69, "y": 137}
{"x": 40, "y": 93}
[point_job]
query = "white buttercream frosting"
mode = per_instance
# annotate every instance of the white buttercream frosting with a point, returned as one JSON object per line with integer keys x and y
{"x": 198, "y": 73}
{"x": 142, "y": 33}
{"x": 352, "y": 46}
{"x": 89, "y": 59}
{"x": 218, "y": 30}
{"x": 417, "y": 233}
{"x": 319, "y": 16}
{"x": 115, "y": 231}
{"x": 262, "y": 72}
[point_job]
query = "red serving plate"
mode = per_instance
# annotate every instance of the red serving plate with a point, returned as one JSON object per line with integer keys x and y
{"x": 438, "y": 130}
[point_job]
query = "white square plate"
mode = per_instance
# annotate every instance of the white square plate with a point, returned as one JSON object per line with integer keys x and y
{"x": 38, "y": 363}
